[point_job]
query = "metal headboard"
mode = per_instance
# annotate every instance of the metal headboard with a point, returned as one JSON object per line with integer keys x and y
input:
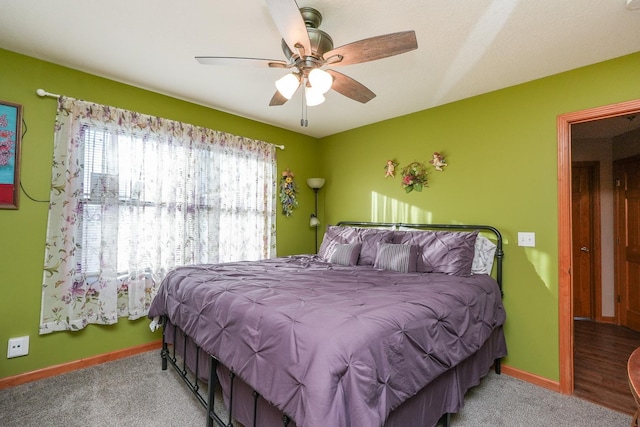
{"x": 488, "y": 228}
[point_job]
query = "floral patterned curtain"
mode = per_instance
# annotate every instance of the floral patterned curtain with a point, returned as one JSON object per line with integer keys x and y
{"x": 133, "y": 196}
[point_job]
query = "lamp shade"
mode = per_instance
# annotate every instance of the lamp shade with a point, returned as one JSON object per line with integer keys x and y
{"x": 313, "y": 96}
{"x": 315, "y": 182}
{"x": 314, "y": 221}
{"x": 287, "y": 85}
{"x": 320, "y": 80}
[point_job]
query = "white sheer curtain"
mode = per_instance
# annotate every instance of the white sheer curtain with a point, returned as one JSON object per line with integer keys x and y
{"x": 133, "y": 196}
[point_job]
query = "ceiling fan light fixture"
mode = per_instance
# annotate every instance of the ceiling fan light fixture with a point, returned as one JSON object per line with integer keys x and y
{"x": 313, "y": 96}
{"x": 287, "y": 85}
{"x": 308, "y": 49}
{"x": 320, "y": 80}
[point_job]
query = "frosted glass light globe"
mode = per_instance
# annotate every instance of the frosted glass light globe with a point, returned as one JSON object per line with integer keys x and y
{"x": 314, "y": 96}
{"x": 287, "y": 85}
{"x": 320, "y": 80}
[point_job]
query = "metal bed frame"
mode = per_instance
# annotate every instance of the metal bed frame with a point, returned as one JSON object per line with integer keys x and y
{"x": 194, "y": 383}
{"x": 487, "y": 228}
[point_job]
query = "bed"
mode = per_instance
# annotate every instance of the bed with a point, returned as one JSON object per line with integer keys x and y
{"x": 388, "y": 325}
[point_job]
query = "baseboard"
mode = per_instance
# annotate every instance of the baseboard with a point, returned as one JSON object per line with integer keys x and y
{"x": 531, "y": 378}
{"x": 52, "y": 371}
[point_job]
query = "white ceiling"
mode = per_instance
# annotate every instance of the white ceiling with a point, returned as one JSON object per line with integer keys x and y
{"x": 465, "y": 48}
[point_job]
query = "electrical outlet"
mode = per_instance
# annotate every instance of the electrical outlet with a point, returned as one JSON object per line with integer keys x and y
{"x": 526, "y": 239}
{"x": 18, "y": 347}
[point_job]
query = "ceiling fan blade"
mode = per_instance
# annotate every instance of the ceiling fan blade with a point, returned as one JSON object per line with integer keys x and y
{"x": 277, "y": 99}
{"x": 241, "y": 62}
{"x": 288, "y": 20}
{"x": 350, "y": 88}
{"x": 372, "y": 48}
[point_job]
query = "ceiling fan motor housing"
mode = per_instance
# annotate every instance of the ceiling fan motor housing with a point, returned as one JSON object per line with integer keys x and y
{"x": 311, "y": 17}
{"x": 320, "y": 41}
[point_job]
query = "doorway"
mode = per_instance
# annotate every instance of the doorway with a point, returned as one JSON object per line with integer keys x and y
{"x": 565, "y": 231}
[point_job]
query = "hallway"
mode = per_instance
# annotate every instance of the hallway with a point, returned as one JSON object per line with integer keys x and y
{"x": 600, "y": 364}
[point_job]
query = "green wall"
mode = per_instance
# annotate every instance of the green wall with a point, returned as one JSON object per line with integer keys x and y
{"x": 22, "y": 231}
{"x": 501, "y": 150}
{"x": 502, "y": 156}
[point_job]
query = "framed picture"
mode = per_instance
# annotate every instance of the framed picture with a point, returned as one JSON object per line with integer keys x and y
{"x": 10, "y": 133}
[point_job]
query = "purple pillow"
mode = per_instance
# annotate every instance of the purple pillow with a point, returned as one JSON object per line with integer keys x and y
{"x": 335, "y": 235}
{"x": 371, "y": 238}
{"x": 340, "y": 235}
{"x": 449, "y": 252}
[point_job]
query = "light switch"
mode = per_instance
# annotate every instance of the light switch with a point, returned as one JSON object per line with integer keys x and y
{"x": 526, "y": 239}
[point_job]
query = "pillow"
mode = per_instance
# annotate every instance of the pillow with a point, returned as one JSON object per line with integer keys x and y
{"x": 335, "y": 235}
{"x": 395, "y": 257}
{"x": 346, "y": 254}
{"x": 483, "y": 256}
{"x": 421, "y": 239}
{"x": 449, "y": 252}
{"x": 370, "y": 239}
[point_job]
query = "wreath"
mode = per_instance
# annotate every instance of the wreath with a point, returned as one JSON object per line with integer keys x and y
{"x": 414, "y": 177}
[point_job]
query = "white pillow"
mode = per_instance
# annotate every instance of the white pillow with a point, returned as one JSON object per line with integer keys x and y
{"x": 483, "y": 256}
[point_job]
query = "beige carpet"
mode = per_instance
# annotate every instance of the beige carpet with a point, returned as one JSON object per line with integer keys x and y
{"x": 135, "y": 392}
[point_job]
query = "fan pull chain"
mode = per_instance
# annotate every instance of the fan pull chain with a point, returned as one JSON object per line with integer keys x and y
{"x": 303, "y": 121}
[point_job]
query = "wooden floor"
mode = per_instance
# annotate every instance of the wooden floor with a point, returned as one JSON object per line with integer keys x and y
{"x": 600, "y": 364}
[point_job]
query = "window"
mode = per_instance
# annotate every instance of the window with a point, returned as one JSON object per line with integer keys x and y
{"x": 134, "y": 196}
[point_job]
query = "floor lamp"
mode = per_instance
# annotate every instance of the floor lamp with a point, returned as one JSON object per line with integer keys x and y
{"x": 315, "y": 184}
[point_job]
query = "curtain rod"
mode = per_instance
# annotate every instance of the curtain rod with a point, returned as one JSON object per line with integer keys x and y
{"x": 43, "y": 93}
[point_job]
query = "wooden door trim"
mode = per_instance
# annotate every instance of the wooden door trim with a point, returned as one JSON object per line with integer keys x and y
{"x": 596, "y": 237}
{"x": 565, "y": 295}
{"x": 617, "y": 259}
{"x": 597, "y": 243}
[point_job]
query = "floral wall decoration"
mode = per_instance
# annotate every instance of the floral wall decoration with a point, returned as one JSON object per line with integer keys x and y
{"x": 438, "y": 161}
{"x": 390, "y": 168}
{"x": 414, "y": 177}
{"x": 288, "y": 190}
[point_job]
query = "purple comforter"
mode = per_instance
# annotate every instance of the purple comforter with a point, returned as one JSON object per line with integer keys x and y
{"x": 331, "y": 345}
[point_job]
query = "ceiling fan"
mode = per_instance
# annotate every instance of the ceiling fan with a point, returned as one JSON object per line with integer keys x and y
{"x": 308, "y": 49}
